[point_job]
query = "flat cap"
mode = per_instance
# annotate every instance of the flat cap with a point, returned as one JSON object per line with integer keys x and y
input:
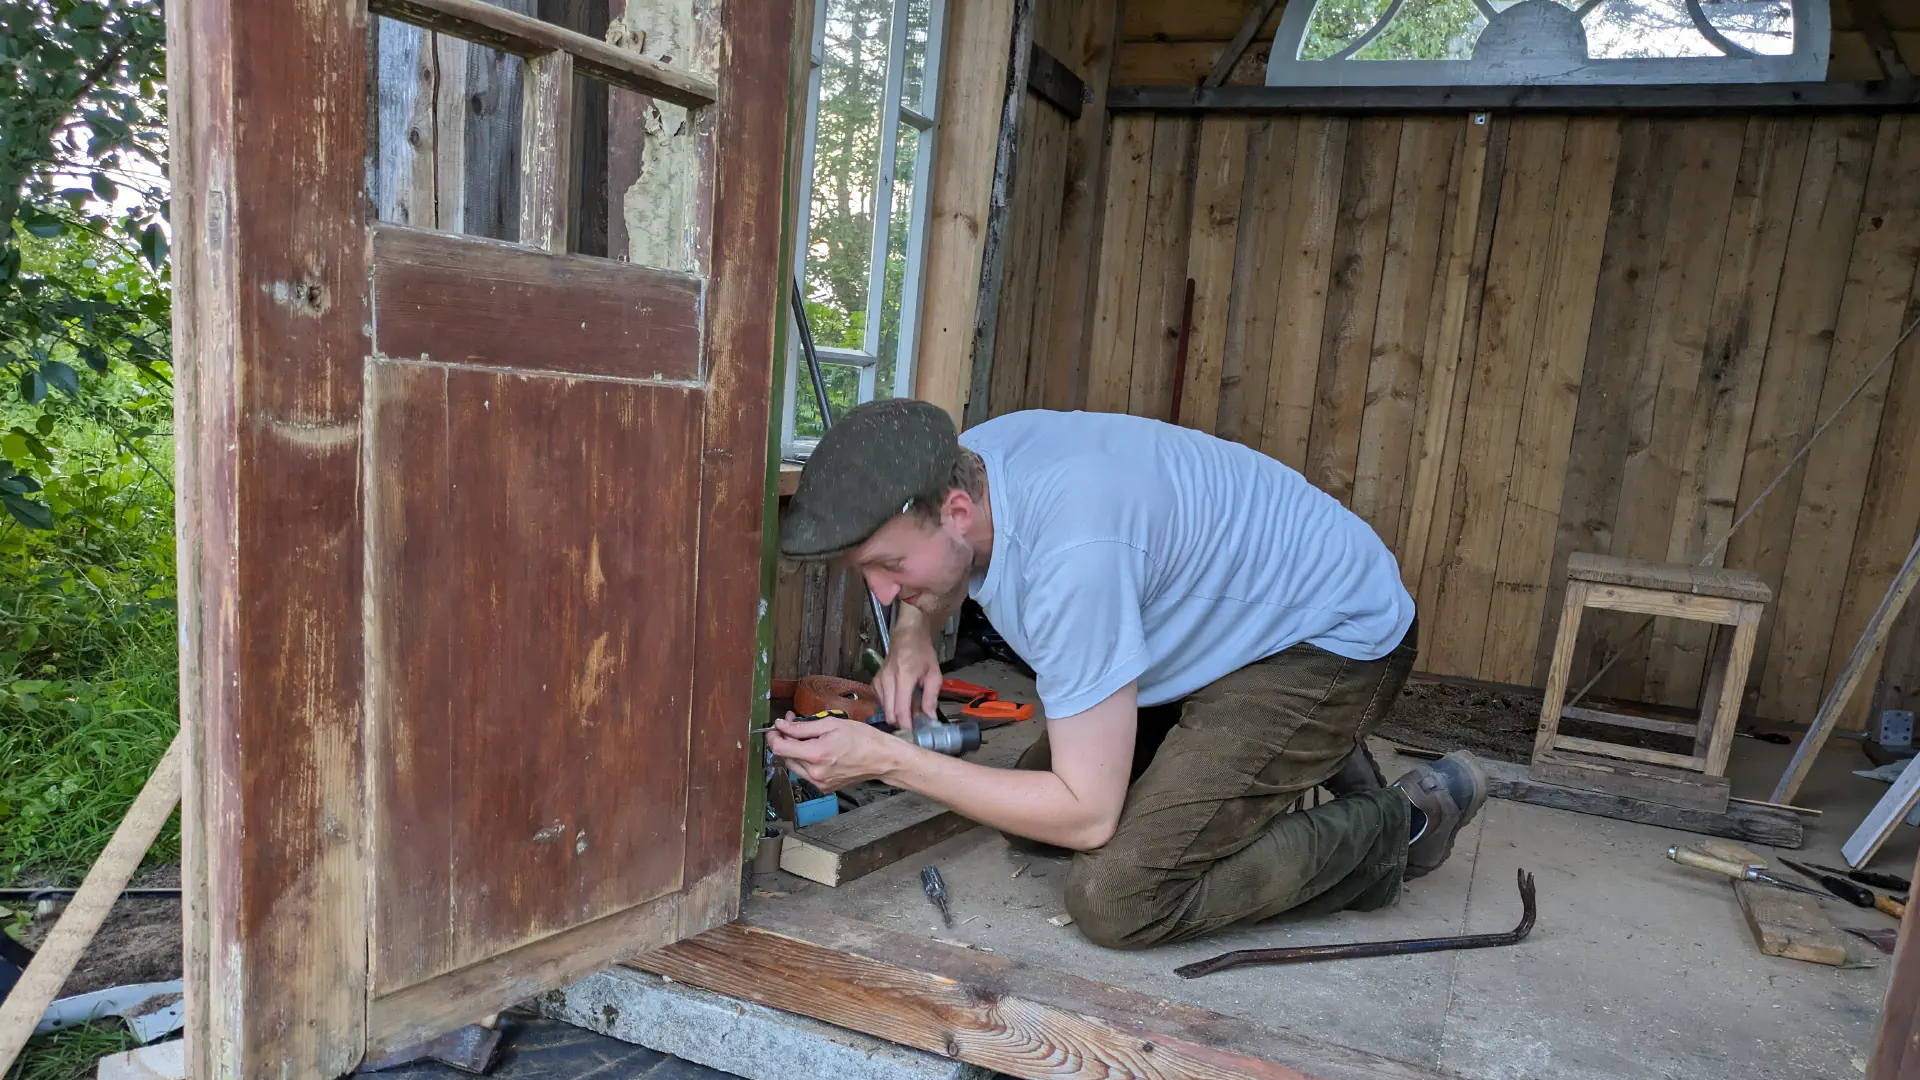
{"x": 866, "y": 467}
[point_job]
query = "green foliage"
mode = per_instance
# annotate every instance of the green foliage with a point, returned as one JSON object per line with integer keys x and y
{"x": 848, "y": 133}
{"x": 1424, "y": 29}
{"x": 83, "y": 242}
{"x": 88, "y": 669}
{"x": 70, "y": 1054}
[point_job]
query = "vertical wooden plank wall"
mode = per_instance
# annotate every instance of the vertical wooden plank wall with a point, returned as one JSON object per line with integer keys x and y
{"x": 1657, "y": 313}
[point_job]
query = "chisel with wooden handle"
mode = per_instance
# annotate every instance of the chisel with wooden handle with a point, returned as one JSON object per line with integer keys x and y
{"x": 1737, "y": 871}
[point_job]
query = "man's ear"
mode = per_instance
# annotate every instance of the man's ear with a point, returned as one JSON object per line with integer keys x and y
{"x": 959, "y": 507}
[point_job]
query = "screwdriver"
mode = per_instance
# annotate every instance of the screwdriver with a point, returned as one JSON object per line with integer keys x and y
{"x": 1869, "y": 877}
{"x": 1737, "y": 871}
{"x": 1857, "y": 895}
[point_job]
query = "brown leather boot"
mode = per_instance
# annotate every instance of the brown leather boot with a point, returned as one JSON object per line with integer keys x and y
{"x": 1449, "y": 792}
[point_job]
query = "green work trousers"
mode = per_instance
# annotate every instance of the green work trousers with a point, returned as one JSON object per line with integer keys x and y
{"x": 1206, "y": 838}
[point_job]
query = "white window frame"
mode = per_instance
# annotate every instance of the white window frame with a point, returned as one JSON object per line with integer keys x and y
{"x": 893, "y": 113}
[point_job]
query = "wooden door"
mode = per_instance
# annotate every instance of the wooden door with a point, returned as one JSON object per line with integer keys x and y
{"x": 471, "y": 535}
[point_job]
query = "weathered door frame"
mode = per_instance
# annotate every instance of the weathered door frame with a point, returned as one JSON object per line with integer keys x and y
{"x": 272, "y": 321}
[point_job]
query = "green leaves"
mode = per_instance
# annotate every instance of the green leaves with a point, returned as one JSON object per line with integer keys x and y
{"x": 153, "y": 244}
{"x": 60, "y": 377}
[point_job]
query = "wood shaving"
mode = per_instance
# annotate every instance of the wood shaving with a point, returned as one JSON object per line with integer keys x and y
{"x": 1061, "y": 920}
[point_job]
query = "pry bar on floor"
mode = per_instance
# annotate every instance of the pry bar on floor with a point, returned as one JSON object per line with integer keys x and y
{"x": 1304, "y": 953}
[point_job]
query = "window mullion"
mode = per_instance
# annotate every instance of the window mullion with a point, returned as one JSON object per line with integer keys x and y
{"x": 883, "y": 186}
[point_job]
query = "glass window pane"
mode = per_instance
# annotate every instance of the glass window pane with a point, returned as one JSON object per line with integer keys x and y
{"x": 904, "y": 159}
{"x": 846, "y": 163}
{"x": 1657, "y": 28}
{"x": 914, "y": 91}
{"x": 1420, "y": 30}
{"x": 843, "y": 393}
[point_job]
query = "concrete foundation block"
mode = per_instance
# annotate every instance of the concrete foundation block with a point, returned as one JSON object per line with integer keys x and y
{"x": 737, "y": 1037}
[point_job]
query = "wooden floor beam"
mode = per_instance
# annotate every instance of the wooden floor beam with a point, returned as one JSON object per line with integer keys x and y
{"x": 989, "y": 1010}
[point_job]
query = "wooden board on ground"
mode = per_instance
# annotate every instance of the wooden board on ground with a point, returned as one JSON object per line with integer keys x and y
{"x": 1672, "y": 787}
{"x": 862, "y": 840}
{"x": 1790, "y": 924}
{"x": 987, "y": 1010}
{"x": 1741, "y": 821}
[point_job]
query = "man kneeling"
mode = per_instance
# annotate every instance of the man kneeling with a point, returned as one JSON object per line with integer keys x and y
{"x": 1211, "y": 637}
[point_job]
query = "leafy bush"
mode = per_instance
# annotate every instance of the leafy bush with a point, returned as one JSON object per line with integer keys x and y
{"x": 88, "y": 652}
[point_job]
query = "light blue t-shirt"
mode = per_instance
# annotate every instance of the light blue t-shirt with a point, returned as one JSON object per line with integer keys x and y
{"x": 1127, "y": 548}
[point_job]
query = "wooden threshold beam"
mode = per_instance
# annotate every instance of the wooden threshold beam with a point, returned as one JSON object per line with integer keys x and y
{"x": 1689, "y": 97}
{"x": 989, "y": 1010}
{"x": 1748, "y": 821}
{"x": 511, "y": 32}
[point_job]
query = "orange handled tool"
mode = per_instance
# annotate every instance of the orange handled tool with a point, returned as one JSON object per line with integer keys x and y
{"x": 995, "y": 711}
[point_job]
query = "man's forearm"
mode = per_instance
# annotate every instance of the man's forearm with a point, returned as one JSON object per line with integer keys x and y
{"x": 1034, "y": 804}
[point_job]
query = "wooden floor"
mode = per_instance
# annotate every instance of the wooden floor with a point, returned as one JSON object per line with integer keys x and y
{"x": 1638, "y": 968}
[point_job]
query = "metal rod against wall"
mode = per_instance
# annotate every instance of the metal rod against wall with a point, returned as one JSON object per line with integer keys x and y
{"x": 826, "y": 421}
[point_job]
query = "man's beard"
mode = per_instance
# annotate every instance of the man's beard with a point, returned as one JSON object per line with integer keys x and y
{"x": 940, "y": 605}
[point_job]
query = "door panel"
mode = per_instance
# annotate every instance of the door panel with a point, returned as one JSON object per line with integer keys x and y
{"x": 530, "y": 544}
{"x": 471, "y": 535}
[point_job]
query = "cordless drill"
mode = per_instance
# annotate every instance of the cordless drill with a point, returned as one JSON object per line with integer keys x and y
{"x": 928, "y": 732}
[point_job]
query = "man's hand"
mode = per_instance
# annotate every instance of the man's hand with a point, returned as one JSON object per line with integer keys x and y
{"x": 910, "y": 668}
{"x": 831, "y": 753}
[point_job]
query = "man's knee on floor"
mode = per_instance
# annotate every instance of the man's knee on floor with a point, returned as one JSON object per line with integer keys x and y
{"x": 1107, "y": 909}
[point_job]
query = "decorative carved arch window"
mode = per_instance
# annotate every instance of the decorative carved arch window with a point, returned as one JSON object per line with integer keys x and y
{"x": 1490, "y": 42}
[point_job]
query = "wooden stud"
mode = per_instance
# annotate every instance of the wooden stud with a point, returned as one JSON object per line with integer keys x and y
{"x": 1651, "y": 783}
{"x": 1067, "y": 336}
{"x": 1163, "y": 270}
{"x": 1738, "y": 327}
{"x": 1706, "y": 156}
{"x": 1819, "y": 245}
{"x": 1345, "y": 349}
{"x": 1445, "y": 346}
{"x": 1211, "y": 258}
{"x": 546, "y": 152}
{"x": 1530, "y": 517}
{"x": 1511, "y": 306}
{"x": 1443, "y": 534}
{"x": 1415, "y": 230}
{"x": 1110, "y": 361}
{"x": 1259, "y": 254}
{"x": 1873, "y": 311}
{"x": 973, "y": 80}
{"x": 1318, "y": 166}
{"x": 1629, "y": 269}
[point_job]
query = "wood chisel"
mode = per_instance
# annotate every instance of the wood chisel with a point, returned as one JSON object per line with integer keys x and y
{"x": 1737, "y": 871}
